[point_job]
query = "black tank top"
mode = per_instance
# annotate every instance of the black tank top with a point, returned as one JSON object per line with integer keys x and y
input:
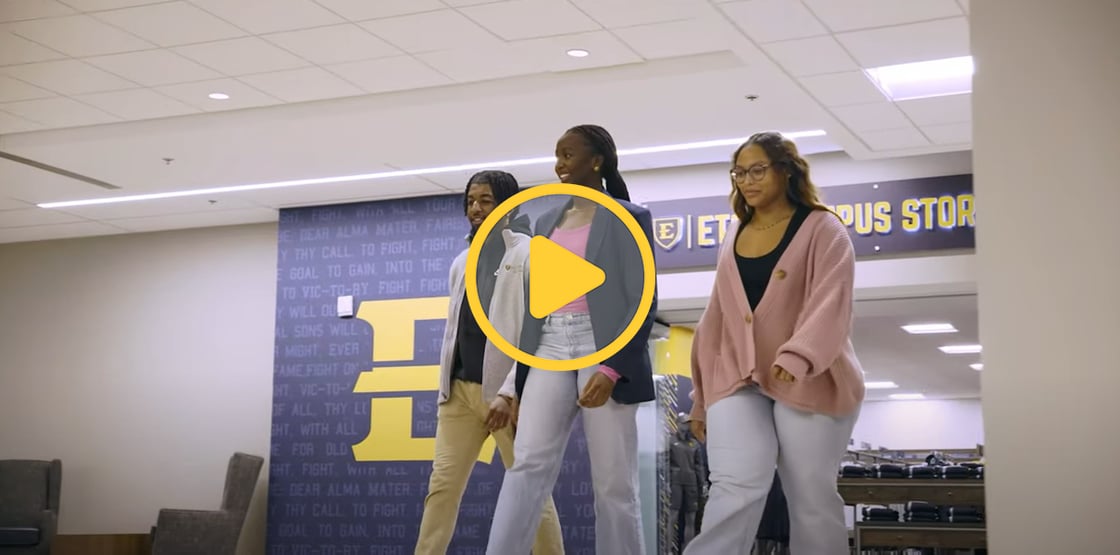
{"x": 756, "y": 272}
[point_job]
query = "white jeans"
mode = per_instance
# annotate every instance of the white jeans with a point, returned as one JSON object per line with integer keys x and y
{"x": 748, "y": 434}
{"x": 548, "y": 409}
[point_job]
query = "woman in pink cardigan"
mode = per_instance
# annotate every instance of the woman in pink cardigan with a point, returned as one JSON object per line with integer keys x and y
{"x": 775, "y": 379}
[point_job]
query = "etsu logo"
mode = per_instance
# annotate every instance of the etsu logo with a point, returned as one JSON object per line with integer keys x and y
{"x": 668, "y": 232}
{"x": 392, "y": 381}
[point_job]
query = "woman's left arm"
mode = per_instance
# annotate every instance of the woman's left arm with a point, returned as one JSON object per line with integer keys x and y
{"x": 825, "y": 323}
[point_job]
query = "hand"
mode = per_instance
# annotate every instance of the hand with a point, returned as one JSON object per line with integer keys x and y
{"x": 502, "y": 413}
{"x": 699, "y": 430}
{"x": 597, "y": 391}
{"x": 781, "y": 375}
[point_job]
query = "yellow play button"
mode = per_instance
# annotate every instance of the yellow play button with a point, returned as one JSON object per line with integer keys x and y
{"x": 557, "y": 276}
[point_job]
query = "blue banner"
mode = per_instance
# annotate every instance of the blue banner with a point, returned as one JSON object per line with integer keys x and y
{"x": 354, "y": 400}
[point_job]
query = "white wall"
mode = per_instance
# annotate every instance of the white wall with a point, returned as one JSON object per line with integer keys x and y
{"x": 940, "y": 424}
{"x": 142, "y": 362}
{"x": 1046, "y": 127}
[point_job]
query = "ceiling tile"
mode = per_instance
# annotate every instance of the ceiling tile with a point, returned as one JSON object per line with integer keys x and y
{"x": 483, "y": 63}
{"x": 843, "y": 89}
{"x": 677, "y": 38}
{"x": 894, "y": 139}
{"x": 431, "y": 31}
{"x": 932, "y": 40}
{"x": 333, "y": 45}
{"x": 58, "y": 231}
{"x": 171, "y": 24}
{"x": 240, "y": 95}
{"x": 270, "y": 16}
{"x": 34, "y": 216}
{"x": 68, "y": 77}
{"x": 58, "y": 112}
{"x": 864, "y": 14}
{"x": 871, "y": 117}
{"x": 301, "y": 85}
{"x": 811, "y": 56}
{"x": 154, "y": 67}
{"x": 628, "y": 13}
{"x": 17, "y": 10}
{"x": 939, "y": 110}
{"x": 242, "y": 56}
{"x": 100, "y": 5}
{"x": 774, "y": 20}
{"x": 390, "y": 74}
{"x": 949, "y": 134}
{"x": 10, "y": 123}
{"x": 461, "y": 3}
{"x": 138, "y": 104}
{"x": 360, "y": 10}
{"x": 12, "y": 90}
{"x": 18, "y": 50}
{"x": 551, "y": 53}
{"x": 523, "y": 19}
{"x": 198, "y": 219}
{"x": 78, "y": 36}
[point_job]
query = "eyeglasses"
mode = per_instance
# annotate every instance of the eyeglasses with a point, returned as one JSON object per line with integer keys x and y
{"x": 755, "y": 173}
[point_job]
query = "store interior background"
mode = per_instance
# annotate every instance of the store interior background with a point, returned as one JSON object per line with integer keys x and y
{"x": 138, "y": 338}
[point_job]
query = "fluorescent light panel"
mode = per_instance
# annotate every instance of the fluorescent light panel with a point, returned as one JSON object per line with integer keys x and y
{"x": 977, "y": 366}
{"x": 960, "y": 349}
{"x": 907, "y": 396}
{"x": 928, "y": 79}
{"x": 880, "y": 385}
{"x": 406, "y": 173}
{"x": 921, "y": 329}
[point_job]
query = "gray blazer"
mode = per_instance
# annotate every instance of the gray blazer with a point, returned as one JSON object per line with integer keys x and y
{"x": 507, "y": 311}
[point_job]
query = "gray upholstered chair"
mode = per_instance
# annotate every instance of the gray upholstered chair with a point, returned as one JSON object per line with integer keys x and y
{"x": 188, "y": 532}
{"x": 29, "y": 498}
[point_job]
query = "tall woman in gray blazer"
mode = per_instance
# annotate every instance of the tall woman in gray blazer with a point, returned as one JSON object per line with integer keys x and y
{"x": 607, "y": 395}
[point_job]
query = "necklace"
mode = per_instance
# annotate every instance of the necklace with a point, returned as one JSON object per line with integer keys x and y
{"x": 771, "y": 224}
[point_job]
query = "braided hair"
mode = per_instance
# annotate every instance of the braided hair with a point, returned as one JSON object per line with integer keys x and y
{"x": 502, "y": 186}
{"x": 602, "y": 144}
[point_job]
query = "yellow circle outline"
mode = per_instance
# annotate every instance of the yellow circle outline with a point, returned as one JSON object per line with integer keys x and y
{"x": 649, "y": 281}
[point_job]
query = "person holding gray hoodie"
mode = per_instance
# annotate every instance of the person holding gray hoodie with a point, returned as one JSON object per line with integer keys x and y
{"x": 477, "y": 395}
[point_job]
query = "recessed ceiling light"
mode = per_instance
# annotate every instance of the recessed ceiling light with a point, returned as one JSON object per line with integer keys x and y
{"x": 928, "y": 79}
{"x": 218, "y": 96}
{"x": 960, "y": 349}
{"x": 977, "y": 366}
{"x": 880, "y": 385}
{"x": 578, "y": 53}
{"x": 919, "y": 329}
{"x": 907, "y": 396}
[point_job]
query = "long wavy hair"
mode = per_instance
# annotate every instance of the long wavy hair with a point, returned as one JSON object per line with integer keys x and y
{"x": 785, "y": 158}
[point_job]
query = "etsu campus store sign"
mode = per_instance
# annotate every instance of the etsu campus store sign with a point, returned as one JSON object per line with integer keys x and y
{"x": 885, "y": 218}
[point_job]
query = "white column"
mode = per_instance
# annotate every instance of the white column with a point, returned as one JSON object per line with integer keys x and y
{"x": 1046, "y": 139}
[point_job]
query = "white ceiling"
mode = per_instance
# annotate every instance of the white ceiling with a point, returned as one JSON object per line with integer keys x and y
{"x": 109, "y": 88}
{"x": 913, "y": 362}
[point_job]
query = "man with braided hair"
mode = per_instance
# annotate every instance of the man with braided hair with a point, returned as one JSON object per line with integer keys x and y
{"x": 477, "y": 397}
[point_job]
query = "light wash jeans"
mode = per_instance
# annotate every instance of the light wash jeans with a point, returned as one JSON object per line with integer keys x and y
{"x": 748, "y": 434}
{"x": 548, "y": 409}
